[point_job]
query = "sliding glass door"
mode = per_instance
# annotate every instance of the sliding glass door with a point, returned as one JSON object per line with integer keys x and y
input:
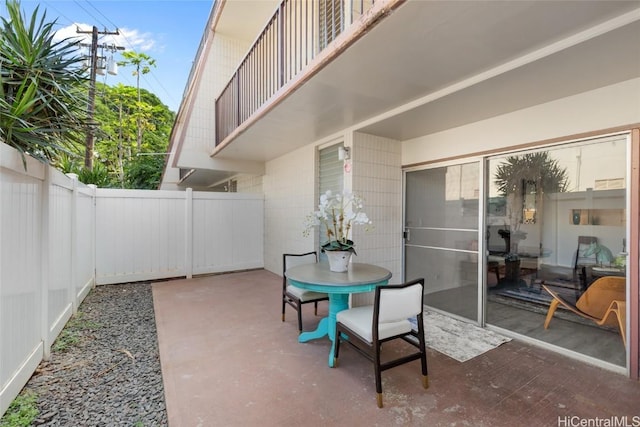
{"x": 557, "y": 217}
{"x": 441, "y": 236}
{"x": 554, "y": 218}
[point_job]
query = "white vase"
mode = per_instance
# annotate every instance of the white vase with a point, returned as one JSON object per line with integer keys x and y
{"x": 338, "y": 260}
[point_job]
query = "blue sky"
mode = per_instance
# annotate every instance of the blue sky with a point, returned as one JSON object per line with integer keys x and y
{"x": 169, "y": 31}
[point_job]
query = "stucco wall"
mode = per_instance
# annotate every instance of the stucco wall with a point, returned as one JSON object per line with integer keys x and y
{"x": 289, "y": 190}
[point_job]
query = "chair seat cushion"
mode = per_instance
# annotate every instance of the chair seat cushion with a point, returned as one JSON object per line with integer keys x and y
{"x": 303, "y": 294}
{"x": 360, "y": 320}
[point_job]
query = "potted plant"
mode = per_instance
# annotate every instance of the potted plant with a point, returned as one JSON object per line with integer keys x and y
{"x": 338, "y": 213}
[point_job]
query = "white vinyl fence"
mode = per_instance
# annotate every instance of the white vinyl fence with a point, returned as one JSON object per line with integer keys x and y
{"x": 58, "y": 238}
{"x": 47, "y": 229}
{"x": 145, "y": 235}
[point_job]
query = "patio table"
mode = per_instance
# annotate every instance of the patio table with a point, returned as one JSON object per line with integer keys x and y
{"x": 317, "y": 277}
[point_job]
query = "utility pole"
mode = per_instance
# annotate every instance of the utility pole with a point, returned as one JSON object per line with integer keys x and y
{"x": 88, "y": 153}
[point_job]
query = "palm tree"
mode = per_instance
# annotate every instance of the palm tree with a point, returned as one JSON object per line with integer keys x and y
{"x": 43, "y": 87}
{"x": 142, "y": 63}
{"x": 528, "y": 175}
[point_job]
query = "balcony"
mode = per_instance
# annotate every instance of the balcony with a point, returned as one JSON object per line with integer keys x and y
{"x": 292, "y": 39}
{"x": 404, "y": 69}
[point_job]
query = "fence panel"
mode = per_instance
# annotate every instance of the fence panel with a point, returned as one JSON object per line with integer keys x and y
{"x": 85, "y": 242}
{"x": 228, "y": 232}
{"x": 59, "y": 237}
{"x": 20, "y": 273}
{"x": 140, "y": 235}
{"x": 60, "y": 226}
{"x": 40, "y": 263}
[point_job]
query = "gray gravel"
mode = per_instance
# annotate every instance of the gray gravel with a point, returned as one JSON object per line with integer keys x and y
{"x": 105, "y": 367}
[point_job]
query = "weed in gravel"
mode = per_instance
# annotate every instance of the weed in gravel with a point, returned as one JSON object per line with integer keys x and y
{"x": 22, "y": 411}
{"x": 73, "y": 331}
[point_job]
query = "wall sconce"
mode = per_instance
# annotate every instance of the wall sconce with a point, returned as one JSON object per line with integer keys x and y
{"x": 344, "y": 153}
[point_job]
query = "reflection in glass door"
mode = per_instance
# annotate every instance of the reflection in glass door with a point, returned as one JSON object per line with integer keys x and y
{"x": 556, "y": 223}
{"x": 441, "y": 236}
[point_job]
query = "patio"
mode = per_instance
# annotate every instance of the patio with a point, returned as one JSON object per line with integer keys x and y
{"x": 228, "y": 360}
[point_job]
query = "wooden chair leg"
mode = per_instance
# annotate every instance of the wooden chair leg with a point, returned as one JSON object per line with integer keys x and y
{"x": 552, "y": 309}
{"x": 336, "y": 349}
{"x": 621, "y": 314}
{"x": 315, "y": 308}
{"x": 425, "y": 374}
{"x": 378, "y": 373}
{"x": 299, "y": 308}
{"x": 617, "y": 309}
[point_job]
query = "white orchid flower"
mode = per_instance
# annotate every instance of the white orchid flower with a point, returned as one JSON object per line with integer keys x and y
{"x": 338, "y": 213}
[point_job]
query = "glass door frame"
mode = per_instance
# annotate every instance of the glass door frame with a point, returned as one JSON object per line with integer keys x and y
{"x": 482, "y": 262}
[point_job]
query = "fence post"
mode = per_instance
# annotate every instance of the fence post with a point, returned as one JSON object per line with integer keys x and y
{"x": 74, "y": 244}
{"x": 188, "y": 235}
{"x": 44, "y": 257}
{"x": 94, "y": 227}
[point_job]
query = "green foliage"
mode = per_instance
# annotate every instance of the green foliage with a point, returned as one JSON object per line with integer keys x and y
{"x": 538, "y": 167}
{"x": 118, "y": 113}
{"x": 141, "y": 61}
{"x": 144, "y": 172}
{"x": 117, "y": 164}
{"x": 535, "y": 173}
{"x": 42, "y": 88}
{"x": 22, "y": 412}
{"x": 98, "y": 176}
{"x": 43, "y": 99}
{"x": 72, "y": 333}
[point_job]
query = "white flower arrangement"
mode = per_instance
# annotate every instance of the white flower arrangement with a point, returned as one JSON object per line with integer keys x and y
{"x": 338, "y": 213}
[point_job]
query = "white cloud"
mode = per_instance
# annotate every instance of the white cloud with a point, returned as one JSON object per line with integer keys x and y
{"x": 130, "y": 39}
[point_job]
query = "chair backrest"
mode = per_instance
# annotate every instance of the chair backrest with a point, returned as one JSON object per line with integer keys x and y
{"x": 598, "y": 297}
{"x": 584, "y": 242}
{"x": 292, "y": 260}
{"x": 398, "y": 302}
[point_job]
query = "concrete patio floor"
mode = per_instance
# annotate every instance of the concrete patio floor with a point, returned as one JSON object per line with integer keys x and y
{"x": 228, "y": 360}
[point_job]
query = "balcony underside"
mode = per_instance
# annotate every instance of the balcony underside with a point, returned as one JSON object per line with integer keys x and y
{"x": 430, "y": 66}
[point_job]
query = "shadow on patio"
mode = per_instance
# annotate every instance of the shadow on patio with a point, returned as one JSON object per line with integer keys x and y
{"x": 228, "y": 360}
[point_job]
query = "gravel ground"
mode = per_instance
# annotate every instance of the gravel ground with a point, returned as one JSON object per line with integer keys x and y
{"x": 104, "y": 368}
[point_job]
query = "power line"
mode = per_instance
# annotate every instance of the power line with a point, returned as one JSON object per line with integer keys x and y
{"x": 161, "y": 86}
{"x": 102, "y": 14}
{"x": 91, "y": 15}
{"x": 95, "y": 13}
{"x": 48, "y": 5}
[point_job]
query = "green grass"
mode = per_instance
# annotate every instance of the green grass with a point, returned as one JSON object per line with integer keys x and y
{"x": 22, "y": 411}
{"x": 72, "y": 332}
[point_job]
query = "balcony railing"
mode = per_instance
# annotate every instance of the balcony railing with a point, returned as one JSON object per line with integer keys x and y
{"x": 293, "y": 37}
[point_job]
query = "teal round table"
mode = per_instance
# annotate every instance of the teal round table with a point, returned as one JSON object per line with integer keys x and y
{"x": 317, "y": 277}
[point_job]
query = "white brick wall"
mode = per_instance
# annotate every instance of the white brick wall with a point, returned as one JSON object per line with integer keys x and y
{"x": 249, "y": 184}
{"x": 376, "y": 176}
{"x": 225, "y": 54}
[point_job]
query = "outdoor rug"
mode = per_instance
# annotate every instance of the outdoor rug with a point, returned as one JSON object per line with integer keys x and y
{"x": 459, "y": 340}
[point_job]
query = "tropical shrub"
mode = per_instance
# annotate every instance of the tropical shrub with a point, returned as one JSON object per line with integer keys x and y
{"x": 43, "y": 87}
